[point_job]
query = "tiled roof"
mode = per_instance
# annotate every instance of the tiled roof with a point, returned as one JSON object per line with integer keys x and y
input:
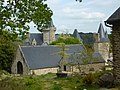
{"x": 38, "y": 37}
{"x": 103, "y": 34}
{"x": 45, "y": 56}
{"x": 76, "y": 35}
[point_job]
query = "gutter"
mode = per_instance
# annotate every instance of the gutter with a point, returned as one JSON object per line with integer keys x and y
{"x": 107, "y": 24}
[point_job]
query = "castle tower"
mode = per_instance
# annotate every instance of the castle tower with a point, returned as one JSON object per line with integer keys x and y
{"x": 101, "y": 44}
{"x": 49, "y": 33}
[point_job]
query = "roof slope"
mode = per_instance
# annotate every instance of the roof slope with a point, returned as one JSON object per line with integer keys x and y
{"x": 45, "y": 56}
{"x": 103, "y": 34}
{"x": 114, "y": 17}
{"x": 38, "y": 37}
{"x": 101, "y": 31}
{"x": 76, "y": 35}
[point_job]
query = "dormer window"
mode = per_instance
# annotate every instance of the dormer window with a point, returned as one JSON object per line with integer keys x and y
{"x": 34, "y": 43}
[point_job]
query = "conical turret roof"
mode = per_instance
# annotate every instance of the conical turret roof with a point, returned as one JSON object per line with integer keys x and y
{"x": 101, "y": 32}
{"x": 76, "y": 35}
{"x": 51, "y": 24}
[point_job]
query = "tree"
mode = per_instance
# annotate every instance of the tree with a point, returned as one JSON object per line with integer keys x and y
{"x": 78, "y": 59}
{"x": 66, "y": 39}
{"x": 16, "y": 14}
{"x": 63, "y": 55}
{"x": 7, "y": 50}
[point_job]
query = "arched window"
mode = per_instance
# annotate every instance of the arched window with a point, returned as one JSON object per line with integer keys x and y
{"x": 19, "y": 68}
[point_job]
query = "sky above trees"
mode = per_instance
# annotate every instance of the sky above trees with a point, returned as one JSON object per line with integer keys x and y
{"x": 85, "y": 16}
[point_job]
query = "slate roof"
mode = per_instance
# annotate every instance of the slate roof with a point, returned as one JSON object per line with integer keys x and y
{"x": 114, "y": 17}
{"x": 45, "y": 56}
{"x": 38, "y": 37}
{"x": 96, "y": 56}
{"x": 76, "y": 35}
{"x": 103, "y": 34}
{"x": 101, "y": 31}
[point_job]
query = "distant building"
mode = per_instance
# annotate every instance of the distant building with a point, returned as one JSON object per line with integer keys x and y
{"x": 37, "y": 57}
{"x": 46, "y": 37}
{"x": 99, "y": 41}
{"x": 45, "y": 59}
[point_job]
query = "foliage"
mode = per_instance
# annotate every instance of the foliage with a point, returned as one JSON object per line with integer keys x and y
{"x": 9, "y": 84}
{"x": 15, "y": 16}
{"x": 46, "y": 82}
{"x": 3, "y": 72}
{"x": 63, "y": 55}
{"x": 87, "y": 38}
{"x": 67, "y": 39}
{"x": 7, "y": 49}
{"x": 29, "y": 81}
{"x": 89, "y": 79}
{"x": 82, "y": 58}
{"x": 56, "y": 87}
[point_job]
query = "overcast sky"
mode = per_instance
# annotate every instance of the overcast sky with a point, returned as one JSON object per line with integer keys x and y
{"x": 85, "y": 16}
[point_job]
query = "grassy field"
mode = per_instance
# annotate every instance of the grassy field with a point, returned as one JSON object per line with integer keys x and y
{"x": 45, "y": 82}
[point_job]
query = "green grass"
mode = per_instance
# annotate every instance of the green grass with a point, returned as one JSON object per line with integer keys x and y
{"x": 45, "y": 82}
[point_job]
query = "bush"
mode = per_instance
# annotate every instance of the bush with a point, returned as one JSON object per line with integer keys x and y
{"x": 29, "y": 81}
{"x": 67, "y": 40}
{"x": 89, "y": 79}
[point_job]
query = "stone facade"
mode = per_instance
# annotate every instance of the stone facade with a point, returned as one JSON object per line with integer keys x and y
{"x": 89, "y": 68}
{"x": 65, "y": 68}
{"x": 20, "y": 58}
{"x": 44, "y": 71}
{"x": 103, "y": 49}
{"x": 49, "y": 35}
{"x": 116, "y": 51}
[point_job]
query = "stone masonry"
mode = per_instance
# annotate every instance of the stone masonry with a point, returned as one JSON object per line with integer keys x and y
{"x": 49, "y": 35}
{"x": 116, "y": 51}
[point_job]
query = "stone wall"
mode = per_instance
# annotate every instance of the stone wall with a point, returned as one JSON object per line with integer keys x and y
{"x": 44, "y": 71}
{"x": 116, "y": 51}
{"x": 89, "y": 67}
{"x": 20, "y": 58}
{"x": 103, "y": 49}
{"x": 52, "y": 34}
{"x": 84, "y": 68}
{"x": 49, "y": 35}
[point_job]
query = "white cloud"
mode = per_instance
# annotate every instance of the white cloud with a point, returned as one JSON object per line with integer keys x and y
{"x": 82, "y": 13}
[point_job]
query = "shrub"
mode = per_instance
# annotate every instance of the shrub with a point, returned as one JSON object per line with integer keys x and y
{"x": 89, "y": 79}
{"x": 29, "y": 81}
{"x": 67, "y": 40}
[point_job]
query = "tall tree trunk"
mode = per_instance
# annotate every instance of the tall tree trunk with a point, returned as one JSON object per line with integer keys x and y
{"x": 116, "y": 52}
